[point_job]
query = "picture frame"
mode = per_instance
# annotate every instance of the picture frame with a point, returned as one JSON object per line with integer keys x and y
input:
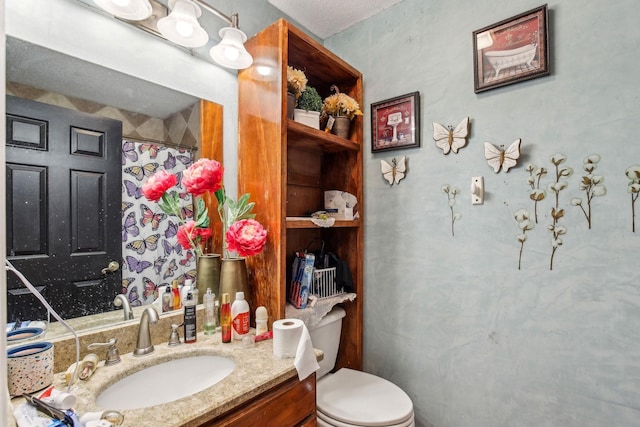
{"x": 511, "y": 51}
{"x": 395, "y": 123}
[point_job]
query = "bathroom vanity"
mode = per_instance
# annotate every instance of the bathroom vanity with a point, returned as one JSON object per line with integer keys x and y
{"x": 261, "y": 390}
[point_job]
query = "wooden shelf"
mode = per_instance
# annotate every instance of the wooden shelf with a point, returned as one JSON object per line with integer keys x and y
{"x": 295, "y": 222}
{"x": 302, "y": 135}
{"x": 287, "y": 166}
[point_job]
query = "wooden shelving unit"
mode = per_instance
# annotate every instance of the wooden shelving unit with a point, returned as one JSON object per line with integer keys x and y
{"x": 287, "y": 167}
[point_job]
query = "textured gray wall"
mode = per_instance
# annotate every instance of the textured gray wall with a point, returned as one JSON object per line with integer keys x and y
{"x": 473, "y": 340}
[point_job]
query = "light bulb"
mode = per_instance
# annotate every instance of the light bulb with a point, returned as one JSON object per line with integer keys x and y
{"x": 184, "y": 28}
{"x": 231, "y": 53}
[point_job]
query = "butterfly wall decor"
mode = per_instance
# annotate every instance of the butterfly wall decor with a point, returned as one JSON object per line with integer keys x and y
{"x": 395, "y": 171}
{"x": 501, "y": 158}
{"x": 450, "y": 138}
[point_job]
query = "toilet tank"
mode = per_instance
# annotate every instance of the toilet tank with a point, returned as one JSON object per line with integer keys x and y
{"x": 326, "y": 337}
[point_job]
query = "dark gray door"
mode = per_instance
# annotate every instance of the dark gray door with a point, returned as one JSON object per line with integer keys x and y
{"x": 63, "y": 171}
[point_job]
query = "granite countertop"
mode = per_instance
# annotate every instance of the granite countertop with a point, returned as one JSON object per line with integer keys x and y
{"x": 257, "y": 370}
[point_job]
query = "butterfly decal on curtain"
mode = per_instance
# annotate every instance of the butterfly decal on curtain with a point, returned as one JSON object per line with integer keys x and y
{"x": 172, "y": 230}
{"x": 170, "y": 247}
{"x": 129, "y": 152}
{"x": 157, "y": 264}
{"x": 149, "y": 217}
{"x": 170, "y": 163}
{"x": 501, "y": 158}
{"x": 141, "y": 246}
{"x": 395, "y": 171}
{"x": 190, "y": 257}
{"x": 129, "y": 227}
{"x": 150, "y": 289}
{"x": 171, "y": 270}
{"x": 137, "y": 265}
{"x": 125, "y": 207}
{"x": 134, "y": 297}
{"x": 132, "y": 189}
{"x": 142, "y": 172}
{"x": 450, "y": 138}
{"x": 152, "y": 149}
{"x": 125, "y": 284}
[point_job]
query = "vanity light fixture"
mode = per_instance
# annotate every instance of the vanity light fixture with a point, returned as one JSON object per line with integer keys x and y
{"x": 181, "y": 26}
{"x": 134, "y": 10}
{"x": 230, "y": 52}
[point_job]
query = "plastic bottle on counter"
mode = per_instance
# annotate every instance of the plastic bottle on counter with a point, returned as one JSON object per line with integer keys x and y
{"x": 176, "y": 295}
{"x": 261, "y": 320}
{"x": 240, "y": 317}
{"x": 225, "y": 318}
{"x": 185, "y": 289}
{"x": 190, "y": 331}
{"x": 208, "y": 299}
{"x": 167, "y": 300}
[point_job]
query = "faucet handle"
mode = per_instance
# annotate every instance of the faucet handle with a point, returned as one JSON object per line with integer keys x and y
{"x": 174, "y": 338}
{"x": 113, "y": 355}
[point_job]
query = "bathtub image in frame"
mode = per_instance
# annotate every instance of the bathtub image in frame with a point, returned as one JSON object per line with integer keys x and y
{"x": 511, "y": 51}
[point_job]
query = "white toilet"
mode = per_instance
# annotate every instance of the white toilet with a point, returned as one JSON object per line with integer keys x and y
{"x": 349, "y": 398}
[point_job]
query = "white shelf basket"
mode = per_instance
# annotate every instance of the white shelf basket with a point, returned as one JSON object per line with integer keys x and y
{"x": 324, "y": 283}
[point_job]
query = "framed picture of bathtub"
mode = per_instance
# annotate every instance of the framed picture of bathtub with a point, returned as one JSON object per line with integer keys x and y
{"x": 511, "y": 51}
{"x": 395, "y": 123}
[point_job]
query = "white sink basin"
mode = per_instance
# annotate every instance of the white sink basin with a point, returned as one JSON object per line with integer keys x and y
{"x": 165, "y": 382}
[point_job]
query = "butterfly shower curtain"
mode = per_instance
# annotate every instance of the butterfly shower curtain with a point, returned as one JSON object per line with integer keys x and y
{"x": 152, "y": 256}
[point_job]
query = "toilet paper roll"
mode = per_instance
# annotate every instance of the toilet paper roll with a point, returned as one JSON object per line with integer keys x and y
{"x": 286, "y": 335}
{"x": 291, "y": 339}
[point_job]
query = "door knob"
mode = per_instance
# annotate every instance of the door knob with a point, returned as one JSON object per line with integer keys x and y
{"x": 112, "y": 267}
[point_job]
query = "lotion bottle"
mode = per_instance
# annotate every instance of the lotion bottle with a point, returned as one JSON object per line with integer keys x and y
{"x": 225, "y": 318}
{"x": 190, "y": 332}
{"x": 240, "y": 317}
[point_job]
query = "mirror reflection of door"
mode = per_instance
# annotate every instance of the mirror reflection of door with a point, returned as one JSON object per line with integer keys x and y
{"x": 63, "y": 171}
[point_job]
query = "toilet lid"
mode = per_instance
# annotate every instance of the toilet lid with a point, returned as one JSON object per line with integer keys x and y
{"x": 359, "y": 398}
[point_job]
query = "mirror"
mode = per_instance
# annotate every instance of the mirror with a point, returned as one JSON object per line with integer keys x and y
{"x": 40, "y": 73}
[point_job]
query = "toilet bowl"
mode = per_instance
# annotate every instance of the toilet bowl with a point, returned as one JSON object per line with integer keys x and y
{"x": 350, "y": 398}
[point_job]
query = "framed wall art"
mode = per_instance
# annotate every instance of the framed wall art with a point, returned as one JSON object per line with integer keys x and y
{"x": 511, "y": 51}
{"x": 395, "y": 123}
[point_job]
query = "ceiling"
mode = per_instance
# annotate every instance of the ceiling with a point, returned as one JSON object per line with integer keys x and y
{"x": 325, "y": 18}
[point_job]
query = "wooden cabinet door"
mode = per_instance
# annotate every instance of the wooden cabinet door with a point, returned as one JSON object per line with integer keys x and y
{"x": 291, "y": 404}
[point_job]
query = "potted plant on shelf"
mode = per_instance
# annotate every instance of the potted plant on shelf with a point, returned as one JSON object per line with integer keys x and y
{"x": 296, "y": 84}
{"x": 308, "y": 108}
{"x": 340, "y": 109}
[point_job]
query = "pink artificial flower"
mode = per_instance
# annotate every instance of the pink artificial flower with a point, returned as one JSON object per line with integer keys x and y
{"x": 247, "y": 237}
{"x": 189, "y": 230}
{"x": 158, "y": 184}
{"x": 202, "y": 176}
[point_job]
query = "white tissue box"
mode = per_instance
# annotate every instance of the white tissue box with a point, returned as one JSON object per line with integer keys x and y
{"x": 341, "y": 205}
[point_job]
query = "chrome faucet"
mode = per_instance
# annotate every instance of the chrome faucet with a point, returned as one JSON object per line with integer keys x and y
{"x": 144, "y": 345}
{"x": 122, "y": 301}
